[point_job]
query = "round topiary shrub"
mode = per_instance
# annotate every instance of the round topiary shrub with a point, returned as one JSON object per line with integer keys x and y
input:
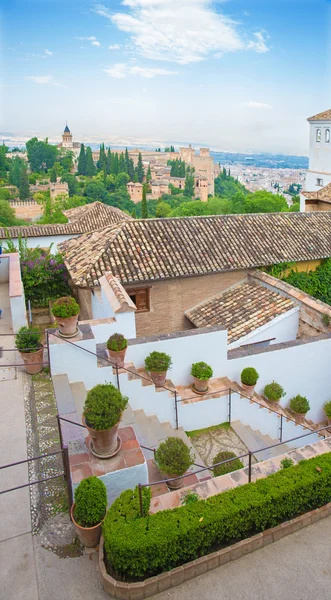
{"x": 174, "y": 457}
{"x": 65, "y": 307}
{"x": 249, "y": 376}
{"x": 228, "y": 467}
{"x": 90, "y": 502}
{"x": 299, "y": 404}
{"x": 327, "y": 408}
{"x": 273, "y": 392}
{"x": 28, "y": 339}
{"x": 158, "y": 362}
{"x": 202, "y": 371}
{"x": 117, "y": 342}
{"x": 104, "y": 406}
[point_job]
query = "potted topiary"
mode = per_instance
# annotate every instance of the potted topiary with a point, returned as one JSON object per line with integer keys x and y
{"x": 30, "y": 348}
{"x": 327, "y": 410}
{"x": 116, "y": 349}
{"x": 299, "y": 405}
{"x": 102, "y": 414}
{"x": 157, "y": 363}
{"x": 228, "y": 467}
{"x": 174, "y": 458}
{"x": 249, "y": 377}
{"x": 89, "y": 510}
{"x": 273, "y": 392}
{"x": 201, "y": 373}
{"x": 66, "y": 311}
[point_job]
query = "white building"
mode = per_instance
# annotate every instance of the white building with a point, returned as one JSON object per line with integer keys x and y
{"x": 319, "y": 172}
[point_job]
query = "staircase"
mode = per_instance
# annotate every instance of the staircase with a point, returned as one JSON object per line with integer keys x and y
{"x": 255, "y": 440}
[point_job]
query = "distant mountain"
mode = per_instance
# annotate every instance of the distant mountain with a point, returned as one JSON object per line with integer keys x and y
{"x": 271, "y": 161}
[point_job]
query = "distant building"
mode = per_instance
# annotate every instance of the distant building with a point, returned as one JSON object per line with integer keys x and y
{"x": 57, "y": 188}
{"x": 136, "y": 191}
{"x": 67, "y": 143}
{"x": 317, "y": 195}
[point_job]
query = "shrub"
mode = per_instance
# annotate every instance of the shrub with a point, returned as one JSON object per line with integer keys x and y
{"x": 44, "y": 276}
{"x": 326, "y": 320}
{"x": 158, "y": 362}
{"x": 28, "y": 339}
{"x": 117, "y": 342}
{"x": 90, "y": 502}
{"x": 202, "y": 371}
{"x": 65, "y": 307}
{"x": 273, "y": 391}
{"x": 228, "y": 467}
{"x": 286, "y": 463}
{"x": 299, "y": 404}
{"x": 174, "y": 457}
{"x": 143, "y": 547}
{"x": 190, "y": 498}
{"x": 104, "y": 406}
{"x": 249, "y": 376}
{"x": 327, "y": 408}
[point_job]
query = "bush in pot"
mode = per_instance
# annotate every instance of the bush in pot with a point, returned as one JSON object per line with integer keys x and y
{"x": 89, "y": 510}
{"x": 201, "y": 373}
{"x": 249, "y": 377}
{"x": 158, "y": 363}
{"x": 174, "y": 458}
{"x": 228, "y": 467}
{"x": 103, "y": 409}
{"x": 66, "y": 311}
{"x": 28, "y": 343}
{"x": 327, "y": 410}
{"x": 273, "y": 392}
{"x": 299, "y": 405}
{"x": 116, "y": 349}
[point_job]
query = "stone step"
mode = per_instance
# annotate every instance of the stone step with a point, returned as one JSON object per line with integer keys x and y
{"x": 131, "y": 372}
{"x": 254, "y": 440}
{"x": 144, "y": 431}
{"x": 79, "y": 393}
{"x": 128, "y": 417}
{"x": 63, "y": 394}
{"x": 145, "y": 377}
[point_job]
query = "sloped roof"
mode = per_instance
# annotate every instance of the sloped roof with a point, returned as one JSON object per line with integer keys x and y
{"x": 83, "y": 219}
{"x": 157, "y": 249}
{"x": 323, "y": 116}
{"x": 241, "y": 309}
{"x": 324, "y": 194}
{"x": 66, "y": 129}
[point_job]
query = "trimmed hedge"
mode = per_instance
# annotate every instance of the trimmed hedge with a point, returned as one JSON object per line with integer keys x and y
{"x": 141, "y": 547}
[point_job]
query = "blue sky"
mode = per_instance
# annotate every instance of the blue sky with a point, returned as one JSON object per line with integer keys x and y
{"x": 237, "y": 75}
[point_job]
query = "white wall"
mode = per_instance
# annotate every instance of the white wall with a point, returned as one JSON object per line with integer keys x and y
{"x": 4, "y": 269}
{"x": 45, "y": 241}
{"x": 319, "y": 157}
{"x": 283, "y": 328}
{"x": 101, "y": 309}
{"x": 18, "y": 312}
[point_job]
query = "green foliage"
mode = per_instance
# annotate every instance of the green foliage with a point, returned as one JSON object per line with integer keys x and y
{"x": 227, "y": 467}
{"x": 44, "y": 277}
{"x": 316, "y": 283}
{"x": 228, "y": 187}
{"x": 264, "y": 202}
{"x": 202, "y": 371}
{"x": 65, "y": 307}
{"x": 273, "y": 391}
{"x": 90, "y": 502}
{"x": 142, "y": 547}
{"x": 16, "y": 166}
{"x": 158, "y": 362}
{"x": 66, "y": 159}
{"x": 32, "y": 179}
{"x": 295, "y": 207}
{"x": 140, "y": 169}
{"x": 178, "y": 168}
{"x": 41, "y": 154}
{"x": 173, "y": 457}
{"x": 4, "y": 162}
{"x": 327, "y": 409}
{"x": 28, "y": 339}
{"x": 53, "y": 174}
{"x": 81, "y": 167}
{"x": 286, "y": 463}
{"x": 71, "y": 180}
{"x": 144, "y": 209}
{"x": 189, "y": 183}
{"x": 326, "y": 320}
{"x": 190, "y": 498}
{"x": 90, "y": 166}
{"x": 4, "y": 194}
{"x": 7, "y": 214}
{"x": 162, "y": 210}
{"x": 279, "y": 269}
{"x": 299, "y": 404}
{"x": 117, "y": 342}
{"x": 104, "y": 406}
{"x": 249, "y": 376}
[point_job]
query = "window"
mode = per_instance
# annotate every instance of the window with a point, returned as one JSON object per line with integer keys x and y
{"x": 327, "y": 136}
{"x": 141, "y": 298}
{"x": 319, "y": 182}
{"x": 318, "y": 135}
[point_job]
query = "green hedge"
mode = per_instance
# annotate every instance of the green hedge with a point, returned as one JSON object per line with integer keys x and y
{"x": 141, "y": 547}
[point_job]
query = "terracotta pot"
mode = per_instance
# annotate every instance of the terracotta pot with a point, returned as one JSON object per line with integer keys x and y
{"x": 272, "y": 402}
{"x": 299, "y": 417}
{"x": 176, "y": 483}
{"x": 105, "y": 442}
{"x": 201, "y": 385}
{"x": 158, "y": 378}
{"x": 249, "y": 389}
{"x": 117, "y": 358}
{"x": 67, "y": 326}
{"x": 89, "y": 536}
{"x": 33, "y": 361}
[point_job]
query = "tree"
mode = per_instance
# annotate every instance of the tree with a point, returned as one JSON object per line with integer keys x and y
{"x": 264, "y": 202}
{"x": 102, "y": 163}
{"x": 144, "y": 209}
{"x": 163, "y": 210}
{"x": 149, "y": 174}
{"x": 24, "y": 190}
{"x": 90, "y": 167}
{"x": 16, "y": 165}
{"x": 218, "y": 206}
{"x": 53, "y": 175}
{"x": 4, "y": 162}
{"x": 189, "y": 183}
{"x": 7, "y": 214}
{"x": 72, "y": 183}
{"x": 96, "y": 191}
{"x": 122, "y": 164}
{"x": 81, "y": 170}
{"x": 190, "y": 209}
{"x": 140, "y": 169}
{"x": 41, "y": 154}
{"x": 121, "y": 180}
{"x": 66, "y": 160}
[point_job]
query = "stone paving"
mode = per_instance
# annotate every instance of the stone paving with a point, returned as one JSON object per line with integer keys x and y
{"x": 212, "y": 440}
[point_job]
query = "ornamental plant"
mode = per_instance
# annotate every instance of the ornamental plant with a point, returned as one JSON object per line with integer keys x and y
{"x": 299, "y": 404}
{"x": 158, "y": 362}
{"x": 286, "y": 463}
{"x": 273, "y": 392}
{"x": 174, "y": 457}
{"x": 327, "y": 408}
{"x": 228, "y": 467}
{"x": 249, "y": 376}
{"x": 202, "y": 371}
{"x": 104, "y": 406}
{"x": 90, "y": 502}
{"x": 117, "y": 342}
{"x": 65, "y": 307}
{"x": 28, "y": 339}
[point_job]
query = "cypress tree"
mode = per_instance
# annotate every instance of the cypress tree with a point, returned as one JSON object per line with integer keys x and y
{"x": 81, "y": 170}
{"x": 115, "y": 164}
{"x": 140, "y": 169}
{"x": 52, "y": 175}
{"x": 149, "y": 174}
{"x": 134, "y": 214}
{"x": 24, "y": 190}
{"x": 102, "y": 162}
{"x": 109, "y": 161}
{"x": 144, "y": 209}
{"x": 131, "y": 169}
{"x": 90, "y": 167}
{"x": 122, "y": 164}
{"x": 189, "y": 183}
{"x": 135, "y": 176}
{"x": 16, "y": 166}
{"x": 127, "y": 160}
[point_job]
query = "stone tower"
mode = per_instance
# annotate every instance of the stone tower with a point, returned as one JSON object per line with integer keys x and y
{"x": 319, "y": 172}
{"x": 67, "y": 138}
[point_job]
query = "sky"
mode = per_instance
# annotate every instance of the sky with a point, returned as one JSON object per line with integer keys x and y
{"x": 235, "y": 75}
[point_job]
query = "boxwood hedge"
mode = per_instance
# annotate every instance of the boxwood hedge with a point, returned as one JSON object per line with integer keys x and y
{"x": 139, "y": 547}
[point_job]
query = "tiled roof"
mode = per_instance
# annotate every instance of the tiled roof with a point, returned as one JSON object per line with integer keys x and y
{"x": 123, "y": 300}
{"x": 84, "y": 219}
{"x": 158, "y": 249}
{"x": 323, "y": 194}
{"x": 241, "y": 309}
{"x": 323, "y": 116}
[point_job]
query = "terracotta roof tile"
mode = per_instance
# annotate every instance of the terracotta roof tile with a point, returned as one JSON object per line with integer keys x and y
{"x": 322, "y": 194}
{"x": 241, "y": 309}
{"x": 158, "y": 249}
{"x": 323, "y": 116}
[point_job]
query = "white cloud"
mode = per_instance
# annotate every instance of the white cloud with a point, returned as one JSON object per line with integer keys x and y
{"x": 262, "y": 105}
{"x": 48, "y": 52}
{"x": 122, "y": 70}
{"x": 43, "y": 80}
{"x": 96, "y": 43}
{"x": 182, "y": 31}
{"x": 114, "y": 47}
{"x": 90, "y": 38}
{"x": 46, "y": 55}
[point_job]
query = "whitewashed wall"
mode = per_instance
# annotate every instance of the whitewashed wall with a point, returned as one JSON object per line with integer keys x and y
{"x": 45, "y": 241}
{"x": 283, "y": 328}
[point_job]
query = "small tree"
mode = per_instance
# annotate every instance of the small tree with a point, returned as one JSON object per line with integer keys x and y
{"x": 24, "y": 190}
{"x": 140, "y": 169}
{"x": 149, "y": 174}
{"x": 81, "y": 170}
{"x": 90, "y": 166}
{"x": 144, "y": 209}
{"x": 52, "y": 174}
{"x": 189, "y": 183}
